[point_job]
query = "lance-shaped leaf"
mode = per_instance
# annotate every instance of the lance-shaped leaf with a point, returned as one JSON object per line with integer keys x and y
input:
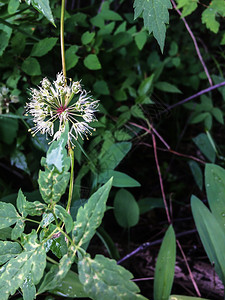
{"x": 21, "y": 203}
{"x": 211, "y": 234}
{"x": 63, "y": 215}
{"x": 43, "y": 7}
{"x": 103, "y": 279}
{"x": 155, "y": 15}
{"x": 28, "y": 263}
{"x": 8, "y": 215}
{"x": 8, "y": 250}
{"x": 28, "y": 289}
{"x": 57, "y": 273}
{"x": 90, "y": 216}
{"x": 18, "y": 229}
{"x": 165, "y": 266}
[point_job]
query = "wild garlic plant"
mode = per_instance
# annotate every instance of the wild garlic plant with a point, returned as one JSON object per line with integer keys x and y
{"x": 53, "y": 254}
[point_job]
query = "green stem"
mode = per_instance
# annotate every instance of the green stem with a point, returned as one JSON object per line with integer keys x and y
{"x": 52, "y": 260}
{"x": 71, "y": 153}
{"x": 62, "y": 38}
{"x": 30, "y": 220}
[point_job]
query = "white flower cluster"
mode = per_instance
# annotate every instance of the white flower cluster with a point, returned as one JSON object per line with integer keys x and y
{"x": 6, "y": 99}
{"x": 52, "y": 105}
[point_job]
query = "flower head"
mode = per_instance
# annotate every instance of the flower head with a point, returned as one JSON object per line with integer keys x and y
{"x": 52, "y": 105}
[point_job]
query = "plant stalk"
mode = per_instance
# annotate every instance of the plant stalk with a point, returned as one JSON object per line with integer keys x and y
{"x": 71, "y": 154}
{"x": 62, "y": 38}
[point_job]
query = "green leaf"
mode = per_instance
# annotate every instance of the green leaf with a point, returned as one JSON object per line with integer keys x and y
{"x": 140, "y": 39}
{"x": 103, "y": 279}
{"x": 209, "y": 14}
{"x": 87, "y": 37}
{"x": 31, "y": 66}
{"x": 181, "y": 297}
{"x": 146, "y": 86}
{"x": 114, "y": 155}
{"x": 63, "y": 215}
{"x": 71, "y": 57}
{"x": 54, "y": 277}
{"x": 8, "y": 130}
{"x": 197, "y": 173}
{"x": 211, "y": 234}
{"x": 137, "y": 112}
{"x": 126, "y": 209}
{"x": 28, "y": 289}
{"x": 205, "y": 146}
{"x": 217, "y": 114}
{"x": 92, "y": 63}
{"x": 167, "y": 87}
{"x": 188, "y": 6}
{"x": 122, "y": 135}
{"x": 35, "y": 208}
{"x": 5, "y": 34}
{"x": 21, "y": 203}
{"x": 19, "y": 160}
{"x": 215, "y": 187}
{"x": 155, "y": 15}
{"x": 147, "y": 204}
{"x": 119, "y": 179}
{"x": 43, "y": 47}
{"x": 18, "y": 229}
{"x": 101, "y": 87}
{"x": 13, "y": 6}
{"x": 9, "y": 250}
{"x": 90, "y": 216}
{"x": 5, "y": 233}
{"x": 8, "y": 215}
{"x": 43, "y": 7}
{"x": 165, "y": 266}
{"x": 17, "y": 270}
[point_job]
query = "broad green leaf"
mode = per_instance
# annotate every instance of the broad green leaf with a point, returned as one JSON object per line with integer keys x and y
{"x": 43, "y": 47}
{"x": 13, "y": 6}
{"x": 5, "y": 233}
{"x": 181, "y": 297}
{"x": 211, "y": 234}
{"x": 121, "y": 135}
{"x": 103, "y": 279}
{"x": 71, "y": 57}
{"x": 54, "y": 277}
{"x": 122, "y": 39}
{"x": 70, "y": 287}
{"x": 119, "y": 179}
{"x": 137, "y": 112}
{"x": 165, "y": 266}
{"x": 21, "y": 203}
{"x": 91, "y": 62}
{"x": 211, "y": 12}
{"x": 90, "y": 216}
{"x": 8, "y": 130}
{"x": 114, "y": 155}
{"x": 35, "y": 208}
{"x": 187, "y": 6}
{"x": 146, "y": 86}
{"x": 17, "y": 270}
{"x": 218, "y": 115}
{"x": 18, "y": 229}
{"x": 5, "y": 34}
{"x": 167, "y": 87}
{"x": 107, "y": 14}
{"x": 205, "y": 146}
{"x": 197, "y": 173}
{"x": 215, "y": 187}
{"x": 87, "y": 37}
{"x": 43, "y": 7}
{"x": 147, "y": 204}
{"x": 28, "y": 289}
{"x": 19, "y": 160}
{"x": 8, "y": 215}
{"x": 101, "y": 87}
{"x": 126, "y": 209}
{"x": 8, "y": 250}
{"x": 140, "y": 39}
{"x": 31, "y": 66}
{"x": 155, "y": 15}
{"x": 63, "y": 215}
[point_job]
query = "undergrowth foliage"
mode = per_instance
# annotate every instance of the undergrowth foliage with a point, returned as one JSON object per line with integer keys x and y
{"x": 46, "y": 234}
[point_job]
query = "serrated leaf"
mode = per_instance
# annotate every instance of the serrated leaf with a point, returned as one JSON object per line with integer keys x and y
{"x": 43, "y": 47}
{"x": 8, "y": 215}
{"x": 215, "y": 187}
{"x": 188, "y": 6}
{"x": 211, "y": 234}
{"x": 28, "y": 263}
{"x": 211, "y": 12}
{"x": 90, "y": 216}
{"x": 165, "y": 266}
{"x": 103, "y": 279}
{"x": 8, "y": 250}
{"x": 126, "y": 209}
{"x": 63, "y": 215}
{"x": 155, "y": 15}
{"x": 57, "y": 273}
{"x": 43, "y": 7}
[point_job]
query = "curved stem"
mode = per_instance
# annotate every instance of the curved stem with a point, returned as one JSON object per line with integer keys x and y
{"x": 71, "y": 153}
{"x": 62, "y": 38}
